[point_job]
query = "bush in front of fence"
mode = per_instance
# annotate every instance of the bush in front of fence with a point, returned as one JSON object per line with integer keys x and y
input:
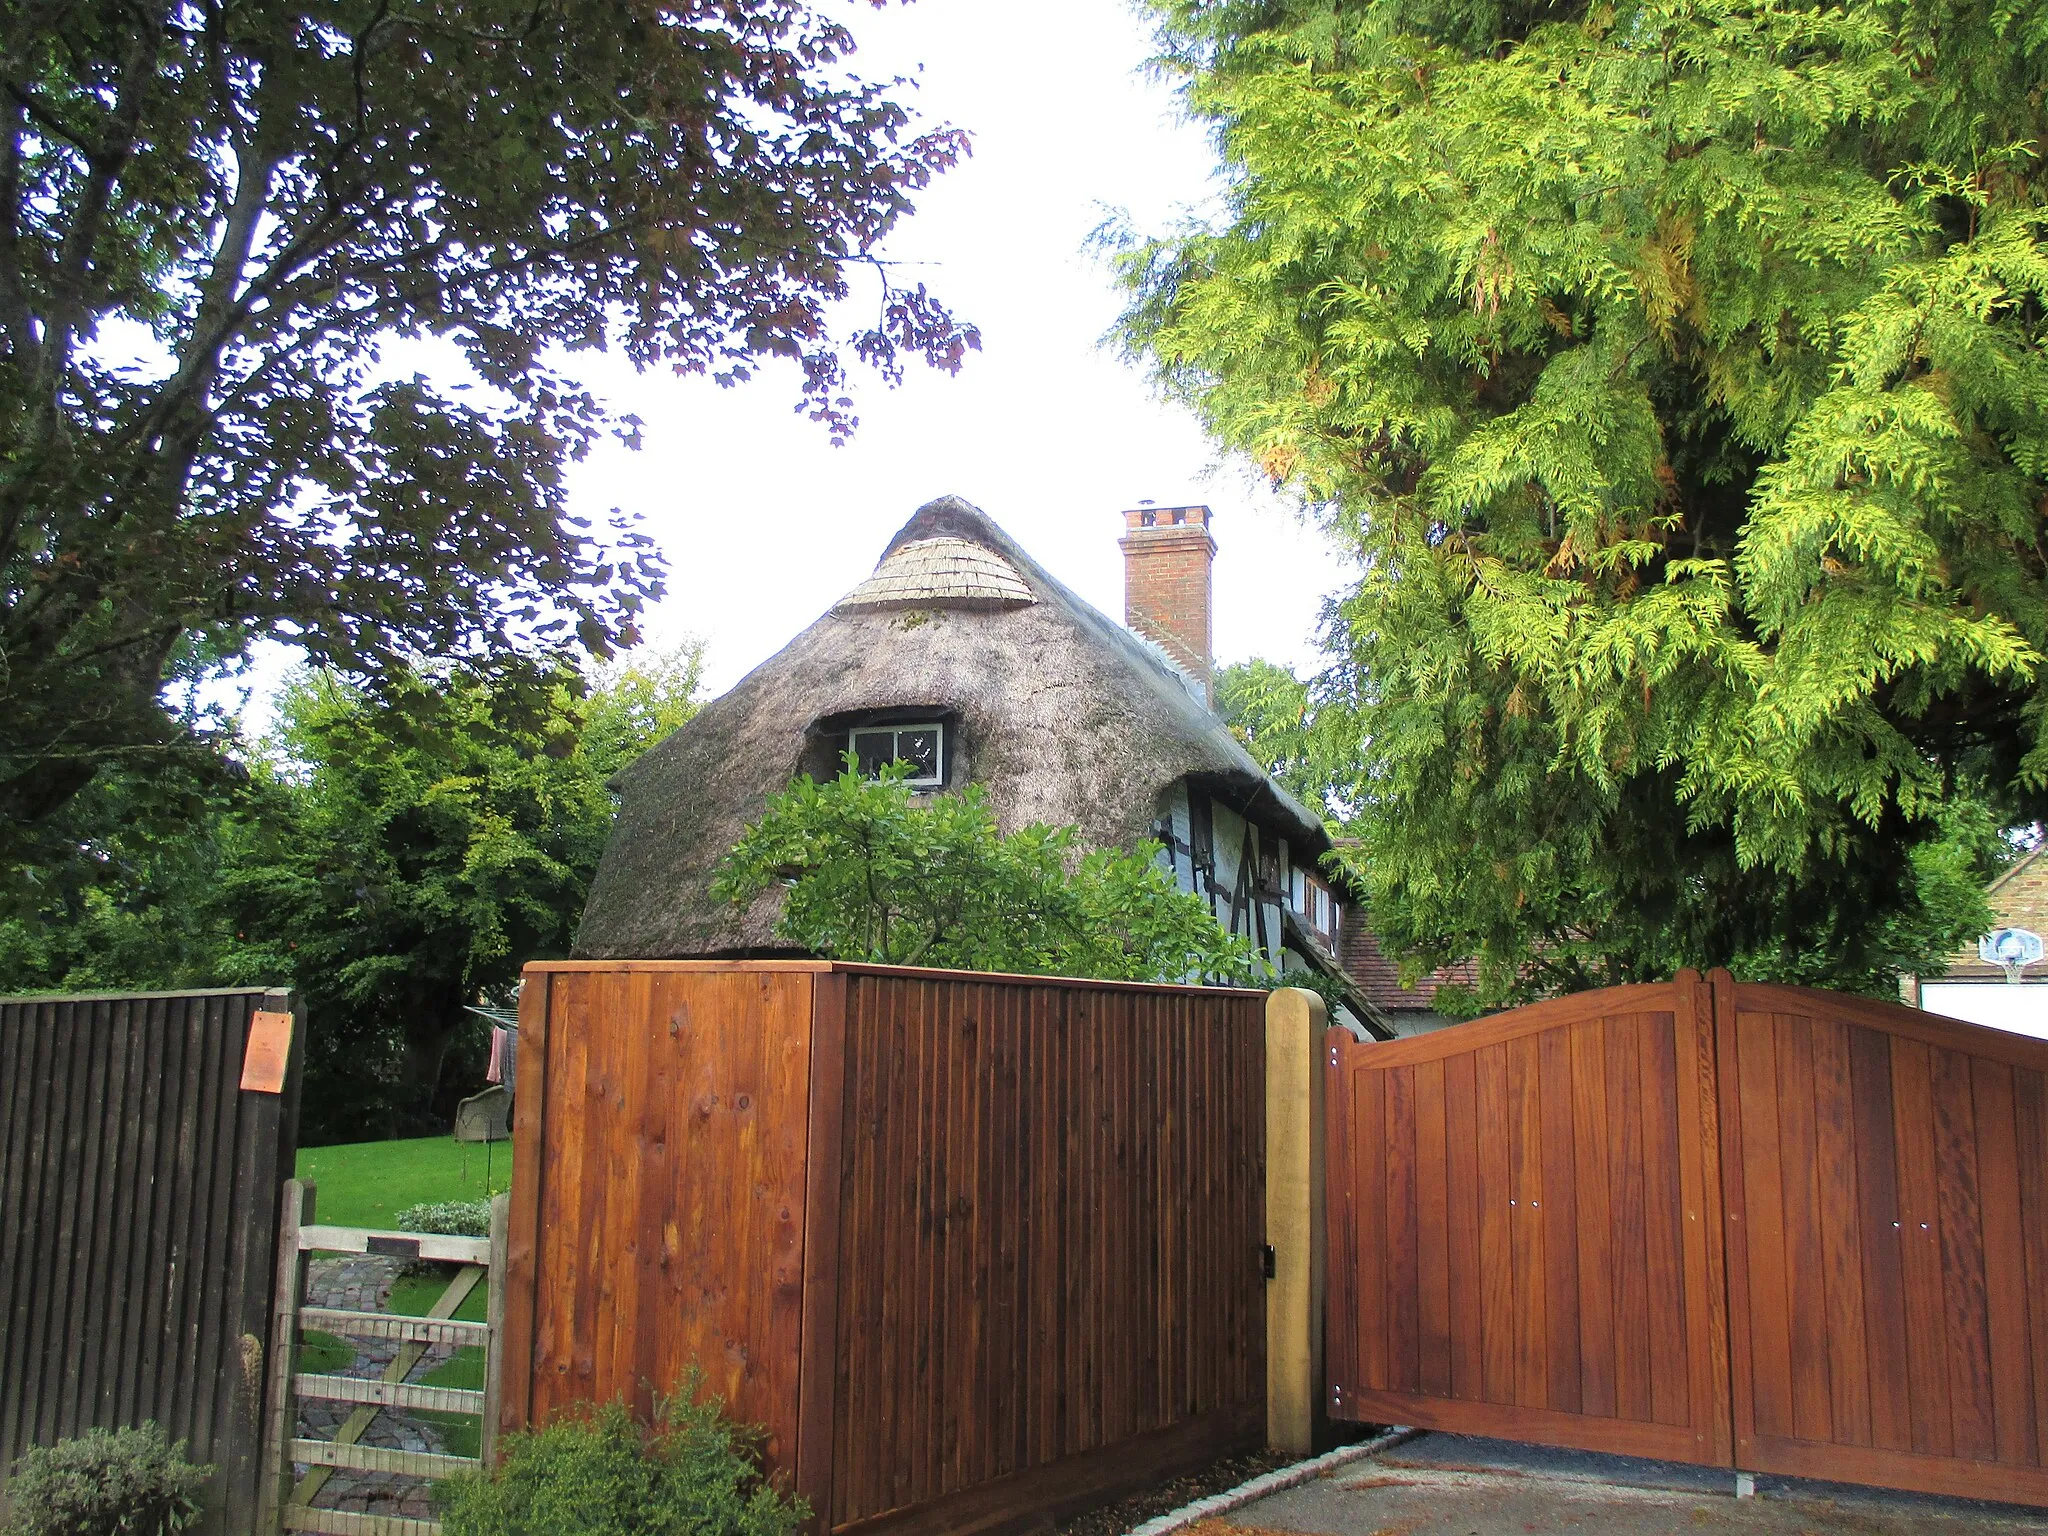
{"x": 692, "y": 1472}
{"x": 120, "y": 1482}
{"x": 443, "y": 1218}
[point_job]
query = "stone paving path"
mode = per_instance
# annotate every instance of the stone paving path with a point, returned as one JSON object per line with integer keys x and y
{"x": 362, "y": 1283}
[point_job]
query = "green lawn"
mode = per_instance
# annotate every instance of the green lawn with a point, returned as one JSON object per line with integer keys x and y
{"x": 368, "y": 1183}
{"x": 461, "y": 1432}
{"x": 413, "y": 1295}
{"x": 322, "y": 1354}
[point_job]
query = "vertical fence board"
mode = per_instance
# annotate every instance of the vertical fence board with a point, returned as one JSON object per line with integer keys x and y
{"x": 2004, "y": 1266}
{"x": 1839, "y": 1199}
{"x": 1559, "y": 1220}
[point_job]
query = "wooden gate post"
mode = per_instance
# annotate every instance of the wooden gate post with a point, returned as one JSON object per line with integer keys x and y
{"x": 280, "y": 1412}
{"x": 494, "y": 1347}
{"x": 1296, "y": 1419}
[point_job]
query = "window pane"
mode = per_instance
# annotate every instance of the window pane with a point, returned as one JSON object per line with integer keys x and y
{"x": 920, "y": 749}
{"x": 874, "y": 749}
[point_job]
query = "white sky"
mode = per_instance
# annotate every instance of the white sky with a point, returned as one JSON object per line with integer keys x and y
{"x": 765, "y": 524}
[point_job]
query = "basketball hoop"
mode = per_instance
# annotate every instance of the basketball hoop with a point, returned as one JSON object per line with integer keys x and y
{"x": 2012, "y": 950}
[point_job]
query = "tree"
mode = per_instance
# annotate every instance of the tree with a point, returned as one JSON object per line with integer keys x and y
{"x": 1628, "y": 892}
{"x": 393, "y": 859}
{"x": 1675, "y": 368}
{"x": 1277, "y": 717}
{"x": 874, "y": 877}
{"x": 127, "y": 895}
{"x": 213, "y": 221}
{"x": 410, "y": 858}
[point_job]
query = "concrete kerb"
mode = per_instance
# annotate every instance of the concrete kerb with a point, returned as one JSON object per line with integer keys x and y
{"x": 1273, "y": 1482}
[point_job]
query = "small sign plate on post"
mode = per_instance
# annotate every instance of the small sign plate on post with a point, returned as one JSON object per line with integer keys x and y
{"x": 263, "y": 1060}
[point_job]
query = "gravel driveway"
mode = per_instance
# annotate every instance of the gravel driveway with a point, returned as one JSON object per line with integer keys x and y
{"x": 1453, "y": 1485}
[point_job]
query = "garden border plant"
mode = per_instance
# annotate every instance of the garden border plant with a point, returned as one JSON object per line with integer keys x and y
{"x": 106, "y": 1482}
{"x": 598, "y": 1471}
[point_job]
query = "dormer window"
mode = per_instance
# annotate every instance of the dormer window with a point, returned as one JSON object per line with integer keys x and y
{"x": 921, "y": 745}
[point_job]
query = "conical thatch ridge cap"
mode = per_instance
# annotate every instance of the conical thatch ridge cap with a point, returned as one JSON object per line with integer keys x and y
{"x": 939, "y": 573}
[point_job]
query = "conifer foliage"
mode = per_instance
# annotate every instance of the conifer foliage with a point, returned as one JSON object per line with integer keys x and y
{"x": 1675, "y": 367}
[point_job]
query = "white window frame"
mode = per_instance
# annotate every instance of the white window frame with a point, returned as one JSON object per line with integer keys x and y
{"x": 937, "y": 778}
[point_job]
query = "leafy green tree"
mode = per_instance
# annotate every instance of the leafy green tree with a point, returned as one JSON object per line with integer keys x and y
{"x": 408, "y": 859}
{"x": 126, "y": 894}
{"x": 1278, "y": 717}
{"x": 873, "y": 876}
{"x": 214, "y": 218}
{"x": 1675, "y": 368}
{"x": 394, "y": 859}
{"x": 1647, "y": 895}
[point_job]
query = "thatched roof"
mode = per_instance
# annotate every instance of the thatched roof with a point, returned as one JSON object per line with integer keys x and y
{"x": 1064, "y": 715}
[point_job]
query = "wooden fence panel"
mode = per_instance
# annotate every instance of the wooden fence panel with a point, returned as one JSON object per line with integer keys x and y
{"x": 1050, "y": 1241}
{"x": 139, "y": 1190}
{"x": 658, "y": 1190}
{"x": 973, "y": 1249}
{"x": 1525, "y": 1226}
{"x": 1887, "y": 1196}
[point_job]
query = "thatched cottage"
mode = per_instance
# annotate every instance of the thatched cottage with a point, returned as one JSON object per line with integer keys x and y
{"x": 963, "y": 656}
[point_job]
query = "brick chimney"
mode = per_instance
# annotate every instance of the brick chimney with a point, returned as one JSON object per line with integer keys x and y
{"x": 1167, "y": 553}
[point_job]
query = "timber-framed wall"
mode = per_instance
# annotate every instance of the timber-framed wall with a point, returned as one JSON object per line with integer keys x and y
{"x": 974, "y": 1249}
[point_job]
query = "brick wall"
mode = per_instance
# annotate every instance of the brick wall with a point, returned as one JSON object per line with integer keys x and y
{"x": 2018, "y": 899}
{"x": 1167, "y": 555}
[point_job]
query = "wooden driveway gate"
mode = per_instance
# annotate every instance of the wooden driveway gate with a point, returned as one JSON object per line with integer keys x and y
{"x": 1740, "y": 1225}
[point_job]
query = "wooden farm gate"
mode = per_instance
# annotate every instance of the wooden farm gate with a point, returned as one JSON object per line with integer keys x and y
{"x": 289, "y": 1496}
{"x": 1763, "y": 1227}
{"x": 144, "y": 1138}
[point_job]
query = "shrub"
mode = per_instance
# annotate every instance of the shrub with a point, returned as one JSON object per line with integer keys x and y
{"x": 874, "y": 874}
{"x": 448, "y": 1218}
{"x": 692, "y": 1472}
{"x": 1327, "y": 987}
{"x": 121, "y": 1482}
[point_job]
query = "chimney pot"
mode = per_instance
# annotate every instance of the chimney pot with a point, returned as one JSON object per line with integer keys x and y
{"x": 1168, "y": 553}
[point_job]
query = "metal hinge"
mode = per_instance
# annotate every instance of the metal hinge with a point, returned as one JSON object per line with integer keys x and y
{"x": 1269, "y": 1262}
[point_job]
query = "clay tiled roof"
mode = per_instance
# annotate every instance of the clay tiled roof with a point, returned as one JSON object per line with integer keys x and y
{"x": 2019, "y": 899}
{"x": 941, "y": 573}
{"x": 1379, "y": 978}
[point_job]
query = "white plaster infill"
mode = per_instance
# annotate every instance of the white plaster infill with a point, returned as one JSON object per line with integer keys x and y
{"x": 1272, "y": 1482}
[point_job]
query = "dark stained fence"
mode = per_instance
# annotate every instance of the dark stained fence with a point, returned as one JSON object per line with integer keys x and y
{"x": 139, "y": 1204}
{"x": 975, "y": 1250}
{"x": 1525, "y": 1226}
